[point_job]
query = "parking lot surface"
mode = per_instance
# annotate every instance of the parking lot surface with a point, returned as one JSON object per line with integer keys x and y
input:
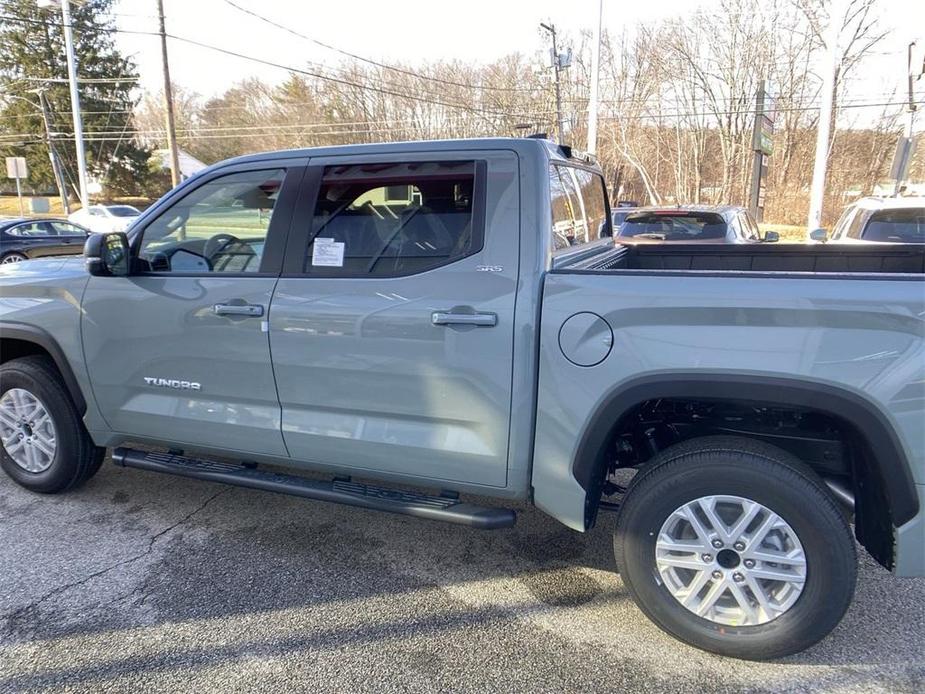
{"x": 141, "y": 583}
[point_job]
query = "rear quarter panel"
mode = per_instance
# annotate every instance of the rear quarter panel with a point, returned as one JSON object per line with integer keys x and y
{"x": 866, "y": 336}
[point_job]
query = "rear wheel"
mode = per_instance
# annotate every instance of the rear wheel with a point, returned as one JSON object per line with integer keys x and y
{"x": 736, "y": 547}
{"x": 43, "y": 443}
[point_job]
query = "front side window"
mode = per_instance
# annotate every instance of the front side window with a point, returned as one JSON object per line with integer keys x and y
{"x": 749, "y": 227}
{"x": 221, "y": 226}
{"x": 856, "y": 225}
{"x": 388, "y": 220}
{"x": 65, "y": 229}
{"x": 839, "y": 229}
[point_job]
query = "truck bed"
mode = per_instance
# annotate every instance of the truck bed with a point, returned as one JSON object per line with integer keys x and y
{"x": 761, "y": 258}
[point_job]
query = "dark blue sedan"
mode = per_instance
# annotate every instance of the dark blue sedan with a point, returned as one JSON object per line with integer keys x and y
{"x": 22, "y": 239}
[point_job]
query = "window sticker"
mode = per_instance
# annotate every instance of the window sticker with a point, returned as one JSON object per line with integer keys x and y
{"x": 328, "y": 253}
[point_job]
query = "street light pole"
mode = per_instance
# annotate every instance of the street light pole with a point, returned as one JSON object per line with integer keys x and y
{"x": 75, "y": 104}
{"x": 829, "y": 67}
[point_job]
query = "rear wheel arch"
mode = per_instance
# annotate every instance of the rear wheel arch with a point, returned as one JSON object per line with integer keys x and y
{"x": 20, "y": 340}
{"x": 882, "y": 447}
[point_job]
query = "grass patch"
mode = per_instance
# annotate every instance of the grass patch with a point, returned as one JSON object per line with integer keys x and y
{"x": 788, "y": 233}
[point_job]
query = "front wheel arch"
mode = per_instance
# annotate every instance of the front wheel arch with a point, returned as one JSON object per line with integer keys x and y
{"x": 20, "y": 340}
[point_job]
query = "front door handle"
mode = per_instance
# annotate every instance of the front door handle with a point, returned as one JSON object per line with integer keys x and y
{"x": 253, "y": 310}
{"x": 451, "y": 318}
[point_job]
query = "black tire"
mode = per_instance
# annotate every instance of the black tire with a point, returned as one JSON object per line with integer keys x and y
{"x": 76, "y": 458}
{"x": 13, "y": 258}
{"x": 719, "y": 465}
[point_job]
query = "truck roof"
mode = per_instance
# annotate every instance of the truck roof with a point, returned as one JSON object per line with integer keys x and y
{"x": 530, "y": 145}
{"x": 877, "y": 203}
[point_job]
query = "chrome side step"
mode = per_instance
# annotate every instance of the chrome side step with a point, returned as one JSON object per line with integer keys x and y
{"x": 338, "y": 491}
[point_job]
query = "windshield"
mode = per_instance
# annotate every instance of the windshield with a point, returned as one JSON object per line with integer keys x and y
{"x": 896, "y": 226}
{"x": 123, "y": 211}
{"x": 692, "y": 226}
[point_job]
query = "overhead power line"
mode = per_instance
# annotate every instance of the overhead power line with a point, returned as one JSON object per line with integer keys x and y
{"x": 270, "y": 129}
{"x": 302, "y": 71}
{"x": 370, "y": 61}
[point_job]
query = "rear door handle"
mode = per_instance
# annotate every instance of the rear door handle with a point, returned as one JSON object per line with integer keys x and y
{"x": 450, "y": 318}
{"x": 253, "y": 310}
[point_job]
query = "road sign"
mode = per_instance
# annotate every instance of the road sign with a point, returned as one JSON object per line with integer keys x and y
{"x": 16, "y": 167}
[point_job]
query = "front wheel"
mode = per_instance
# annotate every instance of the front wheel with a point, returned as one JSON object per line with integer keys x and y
{"x": 43, "y": 444}
{"x": 736, "y": 547}
{"x": 12, "y": 258}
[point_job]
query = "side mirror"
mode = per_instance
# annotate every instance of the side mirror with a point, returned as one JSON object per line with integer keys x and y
{"x": 108, "y": 255}
{"x": 771, "y": 237}
{"x": 820, "y": 235}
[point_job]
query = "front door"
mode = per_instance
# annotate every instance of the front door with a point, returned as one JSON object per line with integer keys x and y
{"x": 392, "y": 326}
{"x": 179, "y": 350}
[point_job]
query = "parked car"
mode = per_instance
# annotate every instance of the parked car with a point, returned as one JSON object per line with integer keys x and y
{"x": 690, "y": 224}
{"x": 21, "y": 238}
{"x": 881, "y": 220}
{"x": 104, "y": 218}
{"x": 759, "y": 396}
{"x": 616, "y": 219}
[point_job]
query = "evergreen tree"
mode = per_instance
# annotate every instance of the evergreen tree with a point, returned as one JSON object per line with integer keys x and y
{"x": 32, "y": 58}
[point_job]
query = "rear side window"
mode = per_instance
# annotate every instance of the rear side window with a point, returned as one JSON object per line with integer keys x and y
{"x": 388, "y": 220}
{"x": 896, "y": 226}
{"x": 579, "y": 206}
{"x": 674, "y": 227}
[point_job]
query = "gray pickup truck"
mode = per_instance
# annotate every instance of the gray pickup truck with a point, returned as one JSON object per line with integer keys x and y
{"x": 426, "y": 325}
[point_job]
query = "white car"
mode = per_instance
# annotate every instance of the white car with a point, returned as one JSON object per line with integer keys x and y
{"x": 105, "y": 218}
{"x": 882, "y": 220}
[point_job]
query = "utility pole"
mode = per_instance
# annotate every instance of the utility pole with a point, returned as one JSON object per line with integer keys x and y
{"x": 823, "y": 129}
{"x": 168, "y": 101}
{"x": 55, "y": 167}
{"x": 75, "y": 104}
{"x": 595, "y": 78}
{"x": 557, "y": 66}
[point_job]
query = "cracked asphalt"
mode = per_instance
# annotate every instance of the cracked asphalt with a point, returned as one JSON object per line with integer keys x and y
{"x": 145, "y": 583}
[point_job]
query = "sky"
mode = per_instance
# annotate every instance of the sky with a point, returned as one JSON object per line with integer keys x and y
{"x": 412, "y": 30}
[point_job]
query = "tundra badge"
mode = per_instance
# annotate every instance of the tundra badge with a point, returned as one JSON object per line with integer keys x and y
{"x": 172, "y": 383}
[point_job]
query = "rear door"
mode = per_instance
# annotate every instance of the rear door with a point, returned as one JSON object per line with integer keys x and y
{"x": 392, "y": 326}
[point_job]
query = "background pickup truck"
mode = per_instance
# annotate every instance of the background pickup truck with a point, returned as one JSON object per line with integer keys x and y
{"x": 441, "y": 316}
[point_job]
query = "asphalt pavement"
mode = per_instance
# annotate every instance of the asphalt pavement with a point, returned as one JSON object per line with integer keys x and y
{"x": 140, "y": 582}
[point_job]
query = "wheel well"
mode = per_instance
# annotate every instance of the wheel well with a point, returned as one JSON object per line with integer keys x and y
{"x": 19, "y": 342}
{"x": 14, "y": 349}
{"x": 848, "y": 445}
